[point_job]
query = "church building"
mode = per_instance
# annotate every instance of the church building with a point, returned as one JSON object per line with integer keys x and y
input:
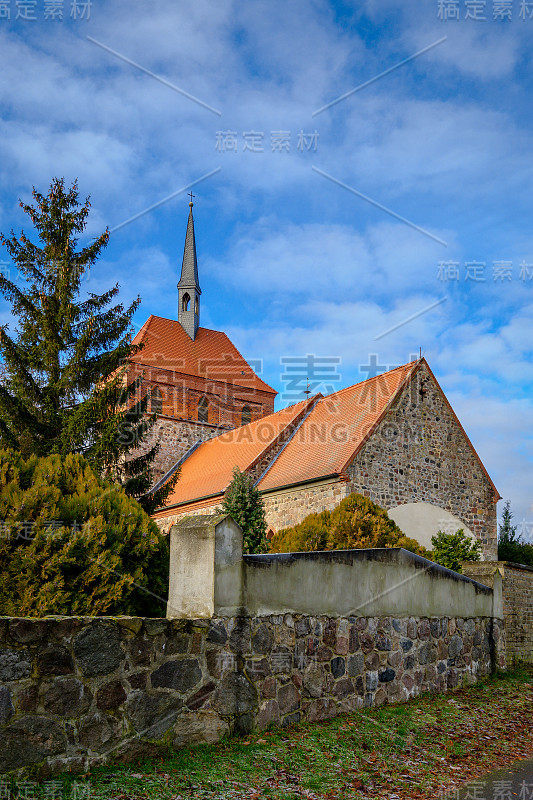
{"x": 198, "y": 383}
{"x": 393, "y": 438}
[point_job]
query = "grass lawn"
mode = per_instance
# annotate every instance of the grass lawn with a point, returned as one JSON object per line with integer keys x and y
{"x": 414, "y": 750}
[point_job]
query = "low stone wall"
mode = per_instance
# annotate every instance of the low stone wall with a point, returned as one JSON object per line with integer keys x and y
{"x": 76, "y": 692}
{"x": 517, "y": 591}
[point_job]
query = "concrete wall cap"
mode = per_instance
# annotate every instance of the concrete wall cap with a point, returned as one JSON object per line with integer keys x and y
{"x": 201, "y": 521}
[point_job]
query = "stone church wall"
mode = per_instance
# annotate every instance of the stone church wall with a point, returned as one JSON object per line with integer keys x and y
{"x": 419, "y": 453}
{"x": 175, "y": 438}
{"x": 287, "y": 507}
{"x": 78, "y": 692}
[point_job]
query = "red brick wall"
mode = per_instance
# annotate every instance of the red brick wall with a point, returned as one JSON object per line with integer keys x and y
{"x": 177, "y": 427}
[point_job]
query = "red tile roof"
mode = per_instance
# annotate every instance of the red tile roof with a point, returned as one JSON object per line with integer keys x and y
{"x": 211, "y": 355}
{"x": 208, "y": 470}
{"x": 335, "y": 429}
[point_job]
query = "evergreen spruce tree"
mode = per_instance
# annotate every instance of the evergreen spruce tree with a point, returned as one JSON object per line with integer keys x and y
{"x": 507, "y": 533}
{"x": 63, "y": 388}
{"x": 510, "y": 545}
{"x": 243, "y": 501}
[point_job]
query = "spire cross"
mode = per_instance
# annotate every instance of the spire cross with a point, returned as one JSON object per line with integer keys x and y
{"x": 191, "y": 195}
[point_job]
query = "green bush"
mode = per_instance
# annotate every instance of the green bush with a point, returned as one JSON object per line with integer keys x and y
{"x": 71, "y": 543}
{"x": 356, "y": 523}
{"x": 450, "y": 549}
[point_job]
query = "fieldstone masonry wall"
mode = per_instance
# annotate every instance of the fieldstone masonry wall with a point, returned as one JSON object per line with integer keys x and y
{"x": 76, "y": 692}
{"x": 175, "y": 437}
{"x": 420, "y": 453}
{"x": 517, "y": 591}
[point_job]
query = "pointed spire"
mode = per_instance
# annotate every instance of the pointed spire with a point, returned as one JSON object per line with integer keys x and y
{"x": 189, "y": 266}
{"x": 189, "y": 286}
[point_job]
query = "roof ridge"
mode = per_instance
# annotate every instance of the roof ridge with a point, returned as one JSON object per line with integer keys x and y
{"x": 373, "y": 378}
{"x": 144, "y": 327}
{"x": 200, "y": 327}
{"x": 273, "y": 414}
{"x": 308, "y": 411}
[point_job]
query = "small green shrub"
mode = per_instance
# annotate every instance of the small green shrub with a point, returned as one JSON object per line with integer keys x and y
{"x": 450, "y": 549}
{"x": 356, "y": 523}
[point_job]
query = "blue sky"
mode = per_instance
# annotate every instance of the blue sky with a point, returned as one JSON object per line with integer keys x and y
{"x": 293, "y": 260}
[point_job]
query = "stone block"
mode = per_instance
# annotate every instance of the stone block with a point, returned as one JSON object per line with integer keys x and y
{"x": 371, "y": 680}
{"x": 29, "y": 740}
{"x": 455, "y": 646}
{"x": 153, "y": 627}
{"x": 372, "y": 661}
{"x": 338, "y": 667}
{"x": 14, "y": 664}
{"x": 27, "y": 630}
{"x": 6, "y": 705}
{"x": 110, "y": 696}
{"x": 302, "y": 626}
{"x": 99, "y": 732}
{"x": 217, "y": 633}
{"x": 291, "y": 719}
{"x": 383, "y": 642}
{"x": 257, "y": 668}
{"x": 200, "y": 697}
{"x": 353, "y": 644}
{"x": 152, "y": 713}
{"x": 321, "y": 709}
{"x": 55, "y": 660}
{"x": 387, "y": 675}
{"x": 66, "y": 697}
{"x": 98, "y": 649}
{"x": 138, "y": 680}
{"x": 269, "y": 687}
{"x": 281, "y": 660}
{"x": 355, "y": 664}
{"x": 268, "y": 714}
{"x": 181, "y": 675}
{"x": 26, "y": 698}
{"x": 235, "y": 694}
{"x": 262, "y": 639}
{"x": 239, "y": 638}
{"x": 343, "y": 688}
{"x": 366, "y": 642}
{"x": 288, "y": 698}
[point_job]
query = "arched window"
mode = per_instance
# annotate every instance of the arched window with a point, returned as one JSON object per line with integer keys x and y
{"x": 185, "y": 301}
{"x": 156, "y": 401}
{"x": 196, "y": 307}
{"x": 203, "y": 410}
{"x": 246, "y": 415}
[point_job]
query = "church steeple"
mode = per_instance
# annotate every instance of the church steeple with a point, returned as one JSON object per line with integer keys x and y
{"x": 189, "y": 287}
